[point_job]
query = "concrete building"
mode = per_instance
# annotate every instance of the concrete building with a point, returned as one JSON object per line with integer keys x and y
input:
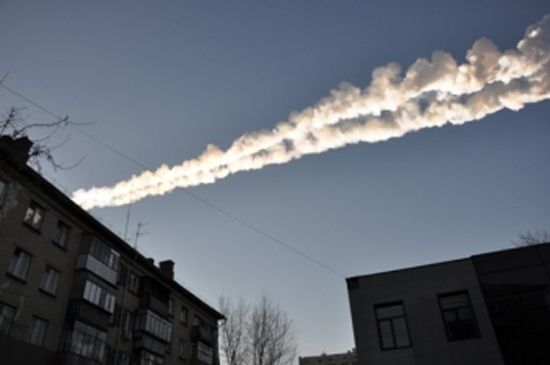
{"x": 73, "y": 292}
{"x": 345, "y": 358}
{"x": 486, "y": 309}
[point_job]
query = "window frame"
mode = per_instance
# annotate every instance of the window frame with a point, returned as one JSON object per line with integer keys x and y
{"x": 29, "y": 223}
{"x": 31, "y": 334}
{"x": 171, "y": 307}
{"x": 55, "y": 238}
{"x": 442, "y": 311}
{"x": 99, "y": 295}
{"x": 45, "y": 289}
{"x": 391, "y": 319}
{"x": 184, "y": 312}
{"x": 182, "y": 353}
{"x": 10, "y": 322}
{"x": 4, "y": 186}
{"x": 133, "y": 285}
{"x": 12, "y": 273}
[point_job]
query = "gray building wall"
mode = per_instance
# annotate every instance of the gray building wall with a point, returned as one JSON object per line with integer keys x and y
{"x": 23, "y": 187}
{"x": 418, "y": 289}
{"x": 26, "y": 295}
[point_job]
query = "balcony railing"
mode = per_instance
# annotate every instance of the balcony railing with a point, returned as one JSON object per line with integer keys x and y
{"x": 82, "y": 310}
{"x": 202, "y": 334}
{"x": 89, "y": 262}
{"x": 150, "y": 302}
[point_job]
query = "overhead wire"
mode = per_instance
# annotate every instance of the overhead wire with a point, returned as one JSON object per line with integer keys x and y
{"x": 195, "y": 196}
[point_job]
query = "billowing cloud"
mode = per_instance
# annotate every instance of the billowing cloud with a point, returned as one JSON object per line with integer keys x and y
{"x": 431, "y": 93}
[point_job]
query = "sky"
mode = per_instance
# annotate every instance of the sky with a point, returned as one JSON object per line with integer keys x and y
{"x": 163, "y": 79}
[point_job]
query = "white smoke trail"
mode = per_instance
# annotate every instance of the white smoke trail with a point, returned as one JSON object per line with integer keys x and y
{"x": 431, "y": 93}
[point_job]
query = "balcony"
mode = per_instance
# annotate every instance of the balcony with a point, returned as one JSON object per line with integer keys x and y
{"x": 154, "y": 296}
{"x": 143, "y": 341}
{"x": 202, "y": 354}
{"x": 150, "y": 302}
{"x": 99, "y": 258}
{"x": 202, "y": 334}
{"x": 82, "y": 310}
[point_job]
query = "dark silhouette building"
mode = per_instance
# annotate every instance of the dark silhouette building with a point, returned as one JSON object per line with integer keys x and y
{"x": 344, "y": 358}
{"x": 492, "y": 308}
{"x": 73, "y": 292}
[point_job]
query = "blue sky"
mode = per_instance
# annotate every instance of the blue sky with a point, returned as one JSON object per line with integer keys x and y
{"x": 163, "y": 79}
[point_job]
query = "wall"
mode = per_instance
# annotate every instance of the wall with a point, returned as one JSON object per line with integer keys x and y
{"x": 418, "y": 288}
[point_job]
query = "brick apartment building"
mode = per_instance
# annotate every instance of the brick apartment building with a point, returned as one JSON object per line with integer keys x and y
{"x": 73, "y": 292}
{"x": 492, "y": 308}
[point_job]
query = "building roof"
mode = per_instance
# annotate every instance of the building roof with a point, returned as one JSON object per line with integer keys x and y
{"x": 419, "y": 267}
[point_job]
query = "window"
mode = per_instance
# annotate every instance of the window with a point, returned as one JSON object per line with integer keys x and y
{"x": 19, "y": 264}
{"x": 126, "y": 325}
{"x": 3, "y": 190}
{"x": 392, "y": 326}
{"x": 458, "y": 316}
{"x": 104, "y": 253}
{"x": 7, "y": 314}
{"x": 133, "y": 282}
{"x": 86, "y": 341}
{"x": 155, "y": 325}
{"x": 37, "y": 331}
{"x": 98, "y": 295}
{"x": 147, "y": 358}
{"x": 121, "y": 274}
{"x": 34, "y": 216}
{"x": 171, "y": 306}
{"x": 123, "y": 358}
{"x": 181, "y": 348}
{"x": 49, "y": 280}
{"x": 183, "y": 315}
{"x": 62, "y": 233}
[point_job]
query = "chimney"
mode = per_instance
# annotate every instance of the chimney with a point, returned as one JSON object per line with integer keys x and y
{"x": 151, "y": 260}
{"x": 167, "y": 268}
{"x": 16, "y": 150}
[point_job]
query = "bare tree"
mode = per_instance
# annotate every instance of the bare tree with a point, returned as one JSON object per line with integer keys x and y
{"x": 532, "y": 238}
{"x": 258, "y": 335}
{"x": 233, "y": 332}
{"x": 15, "y": 126}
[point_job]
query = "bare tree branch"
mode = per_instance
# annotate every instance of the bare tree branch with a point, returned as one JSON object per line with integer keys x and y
{"x": 532, "y": 238}
{"x": 15, "y": 125}
{"x": 258, "y": 335}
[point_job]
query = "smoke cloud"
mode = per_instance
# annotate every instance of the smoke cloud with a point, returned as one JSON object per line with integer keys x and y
{"x": 431, "y": 93}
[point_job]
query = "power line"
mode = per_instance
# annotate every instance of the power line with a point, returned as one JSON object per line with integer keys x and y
{"x": 195, "y": 196}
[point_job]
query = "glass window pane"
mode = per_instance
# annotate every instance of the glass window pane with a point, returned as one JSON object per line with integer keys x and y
{"x": 454, "y": 301}
{"x": 450, "y": 316}
{"x": 401, "y": 333}
{"x": 7, "y": 313}
{"x": 465, "y": 314}
{"x": 389, "y": 311}
{"x": 386, "y": 336}
{"x": 459, "y": 318}
{"x": 37, "y": 331}
{"x": 19, "y": 264}
{"x": 3, "y": 189}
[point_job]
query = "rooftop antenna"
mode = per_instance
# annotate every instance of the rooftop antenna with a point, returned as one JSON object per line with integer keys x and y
{"x": 126, "y": 238}
{"x": 139, "y": 233}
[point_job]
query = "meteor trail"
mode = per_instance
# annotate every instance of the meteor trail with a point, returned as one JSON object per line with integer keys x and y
{"x": 430, "y": 93}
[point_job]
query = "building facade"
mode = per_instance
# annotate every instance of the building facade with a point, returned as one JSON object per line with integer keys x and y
{"x": 345, "y": 358}
{"x": 486, "y": 309}
{"x": 73, "y": 292}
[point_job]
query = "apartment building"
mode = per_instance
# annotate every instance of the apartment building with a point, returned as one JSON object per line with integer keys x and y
{"x": 344, "y": 358}
{"x": 73, "y": 292}
{"x": 492, "y": 308}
